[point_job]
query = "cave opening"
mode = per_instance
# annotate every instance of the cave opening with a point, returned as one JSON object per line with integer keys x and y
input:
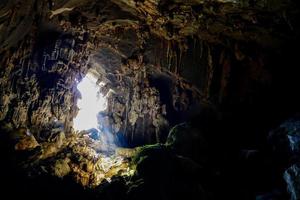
{"x": 90, "y": 104}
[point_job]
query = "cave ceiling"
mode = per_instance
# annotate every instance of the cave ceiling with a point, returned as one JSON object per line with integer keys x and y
{"x": 173, "y": 20}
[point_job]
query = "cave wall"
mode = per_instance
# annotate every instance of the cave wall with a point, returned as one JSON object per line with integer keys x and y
{"x": 165, "y": 61}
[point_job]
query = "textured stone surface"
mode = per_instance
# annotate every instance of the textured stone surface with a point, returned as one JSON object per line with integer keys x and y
{"x": 162, "y": 62}
{"x": 143, "y": 50}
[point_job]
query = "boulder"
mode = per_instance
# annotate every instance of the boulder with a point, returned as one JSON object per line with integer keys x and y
{"x": 292, "y": 178}
{"x": 188, "y": 141}
{"x": 51, "y": 148}
{"x": 27, "y": 143}
{"x": 161, "y": 174}
{"x": 126, "y": 152}
{"x": 23, "y": 139}
{"x": 62, "y": 168}
{"x": 285, "y": 140}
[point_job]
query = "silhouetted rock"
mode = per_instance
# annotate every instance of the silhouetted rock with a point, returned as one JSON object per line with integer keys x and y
{"x": 292, "y": 178}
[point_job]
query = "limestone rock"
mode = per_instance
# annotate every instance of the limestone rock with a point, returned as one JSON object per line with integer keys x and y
{"x": 62, "y": 168}
{"x": 4, "y": 105}
{"x": 161, "y": 61}
{"x": 26, "y": 143}
{"x": 51, "y": 148}
{"x": 126, "y": 152}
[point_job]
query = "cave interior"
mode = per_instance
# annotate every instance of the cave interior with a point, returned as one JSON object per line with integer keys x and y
{"x": 150, "y": 99}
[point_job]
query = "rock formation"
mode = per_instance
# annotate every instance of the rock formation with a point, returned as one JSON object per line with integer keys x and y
{"x": 223, "y": 68}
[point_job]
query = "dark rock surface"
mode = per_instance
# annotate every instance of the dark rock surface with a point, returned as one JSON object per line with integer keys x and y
{"x": 291, "y": 176}
{"x": 165, "y": 175}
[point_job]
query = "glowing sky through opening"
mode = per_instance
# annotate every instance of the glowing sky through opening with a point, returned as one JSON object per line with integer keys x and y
{"x": 91, "y": 103}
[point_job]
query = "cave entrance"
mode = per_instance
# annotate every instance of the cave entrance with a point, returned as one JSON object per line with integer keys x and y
{"x": 100, "y": 158}
{"x": 90, "y": 104}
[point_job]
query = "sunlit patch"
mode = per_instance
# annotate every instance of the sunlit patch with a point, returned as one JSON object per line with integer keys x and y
{"x": 100, "y": 159}
{"x": 91, "y": 103}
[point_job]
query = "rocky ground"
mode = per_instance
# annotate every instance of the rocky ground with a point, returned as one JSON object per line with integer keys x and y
{"x": 189, "y": 165}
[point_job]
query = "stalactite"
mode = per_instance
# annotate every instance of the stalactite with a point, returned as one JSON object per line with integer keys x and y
{"x": 126, "y": 112}
{"x": 168, "y": 55}
{"x": 201, "y": 49}
{"x": 175, "y": 65}
{"x": 210, "y": 73}
{"x": 225, "y": 64}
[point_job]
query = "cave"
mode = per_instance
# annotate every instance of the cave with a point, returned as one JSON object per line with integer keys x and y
{"x": 150, "y": 99}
